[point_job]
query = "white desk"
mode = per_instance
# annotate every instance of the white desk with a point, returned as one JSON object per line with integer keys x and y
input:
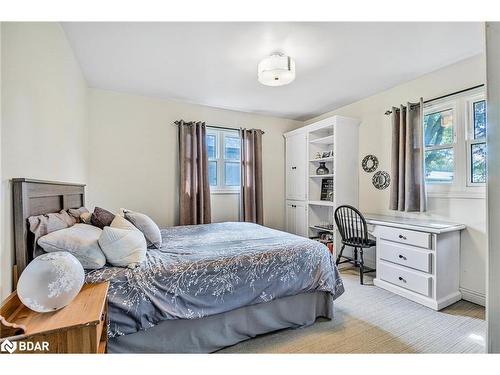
{"x": 418, "y": 259}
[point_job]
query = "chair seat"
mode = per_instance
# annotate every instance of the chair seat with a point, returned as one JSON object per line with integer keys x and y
{"x": 359, "y": 242}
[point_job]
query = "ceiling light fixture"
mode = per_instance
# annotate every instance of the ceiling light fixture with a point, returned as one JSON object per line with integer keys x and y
{"x": 276, "y": 70}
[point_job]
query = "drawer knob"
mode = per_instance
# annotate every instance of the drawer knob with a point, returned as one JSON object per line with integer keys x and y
{"x": 294, "y": 167}
{"x": 402, "y": 257}
{"x": 401, "y": 279}
{"x": 402, "y": 237}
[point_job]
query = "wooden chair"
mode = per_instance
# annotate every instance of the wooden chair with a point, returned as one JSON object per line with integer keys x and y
{"x": 353, "y": 230}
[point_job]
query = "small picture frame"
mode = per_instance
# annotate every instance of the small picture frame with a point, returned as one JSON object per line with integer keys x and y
{"x": 327, "y": 154}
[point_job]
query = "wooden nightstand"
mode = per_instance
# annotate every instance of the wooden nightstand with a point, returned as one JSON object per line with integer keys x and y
{"x": 80, "y": 327}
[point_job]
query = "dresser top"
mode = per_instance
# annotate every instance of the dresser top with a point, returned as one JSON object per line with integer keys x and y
{"x": 85, "y": 309}
{"x": 423, "y": 225}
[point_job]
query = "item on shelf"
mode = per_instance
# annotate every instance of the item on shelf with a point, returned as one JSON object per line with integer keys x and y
{"x": 322, "y": 169}
{"x": 325, "y": 226}
{"x": 381, "y": 180}
{"x": 318, "y": 155}
{"x": 370, "y": 163}
{"x": 327, "y": 154}
{"x": 50, "y": 281}
{"x": 327, "y": 189}
{"x": 330, "y": 247}
{"x": 325, "y": 236}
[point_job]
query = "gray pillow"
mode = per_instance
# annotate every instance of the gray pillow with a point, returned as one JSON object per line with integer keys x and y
{"x": 101, "y": 218}
{"x": 76, "y": 212}
{"x": 147, "y": 226}
{"x": 79, "y": 240}
{"x": 41, "y": 225}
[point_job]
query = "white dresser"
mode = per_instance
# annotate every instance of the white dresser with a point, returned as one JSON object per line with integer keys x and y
{"x": 418, "y": 259}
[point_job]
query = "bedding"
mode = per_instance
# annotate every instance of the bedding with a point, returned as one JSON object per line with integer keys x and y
{"x": 146, "y": 225}
{"x": 203, "y": 270}
{"x": 79, "y": 240}
{"x": 123, "y": 244}
{"x": 101, "y": 218}
{"x": 77, "y": 212}
{"x": 41, "y": 225}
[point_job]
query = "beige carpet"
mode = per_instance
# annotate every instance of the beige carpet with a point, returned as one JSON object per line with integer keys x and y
{"x": 371, "y": 320}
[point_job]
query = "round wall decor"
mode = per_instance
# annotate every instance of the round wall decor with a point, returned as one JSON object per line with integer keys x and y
{"x": 381, "y": 180}
{"x": 370, "y": 163}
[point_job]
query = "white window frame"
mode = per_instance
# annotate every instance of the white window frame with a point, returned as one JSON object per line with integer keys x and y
{"x": 463, "y": 138}
{"x": 220, "y": 135}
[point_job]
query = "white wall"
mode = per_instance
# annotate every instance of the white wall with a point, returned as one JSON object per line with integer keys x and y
{"x": 134, "y": 163}
{"x": 375, "y": 138}
{"x": 493, "y": 80}
{"x": 44, "y": 116}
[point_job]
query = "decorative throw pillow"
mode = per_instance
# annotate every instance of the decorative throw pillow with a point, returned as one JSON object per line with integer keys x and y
{"x": 77, "y": 212}
{"x": 101, "y": 218}
{"x": 86, "y": 218}
{"x": 41, "y": 225}
{"x": 122, "y": 223}
{"x": 147, "y": 226}
{"x": 123, "y": 247}
{"x": 80, "y": 240}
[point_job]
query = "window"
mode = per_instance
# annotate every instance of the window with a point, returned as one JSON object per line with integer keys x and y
{"x": 439, "y": 153}
{"x": 455, "y": 145}
{"x": 477, "y": 144}
{"x": 223, "y": 147}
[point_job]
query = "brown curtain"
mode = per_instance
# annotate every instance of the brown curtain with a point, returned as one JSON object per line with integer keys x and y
{"x": 251, "y": 176}
{"x": 194, "y": 190}
{"x": 407, "y": 161}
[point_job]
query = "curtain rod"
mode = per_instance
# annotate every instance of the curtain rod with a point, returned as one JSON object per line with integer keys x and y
{"x": 445, "y": 96}
{"x": 222, "y": 127}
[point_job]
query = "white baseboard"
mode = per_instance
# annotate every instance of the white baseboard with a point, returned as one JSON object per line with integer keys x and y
{"x": 472, "y": 296}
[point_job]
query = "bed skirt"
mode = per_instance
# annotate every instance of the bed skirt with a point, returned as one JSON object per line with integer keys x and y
{"x": 209, "y": 334}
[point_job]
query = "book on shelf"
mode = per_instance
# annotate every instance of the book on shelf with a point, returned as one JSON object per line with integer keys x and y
{"x": 327, "y": 189}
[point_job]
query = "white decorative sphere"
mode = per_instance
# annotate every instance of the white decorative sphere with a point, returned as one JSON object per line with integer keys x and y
{"x": 50, "y": 281}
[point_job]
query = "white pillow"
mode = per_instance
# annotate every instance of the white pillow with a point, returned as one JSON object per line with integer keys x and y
{"x": 147, "y": 226}
{"x": 122, "y": 223}
{"x": 79, "y": 240}
{"x": 123, "y": 247}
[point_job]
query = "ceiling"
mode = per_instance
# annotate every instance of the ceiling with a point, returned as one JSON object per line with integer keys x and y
{"x": 215, "y": 64}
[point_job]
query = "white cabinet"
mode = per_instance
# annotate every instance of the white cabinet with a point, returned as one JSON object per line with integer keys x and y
{"x": 331, "y": 144}
{"x": 296, "y": 152}
{"x": 418, "y": 259}
{"x": 296, "y": 218}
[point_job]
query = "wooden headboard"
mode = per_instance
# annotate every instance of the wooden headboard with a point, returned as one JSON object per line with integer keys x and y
{"x": 36, "y": 197}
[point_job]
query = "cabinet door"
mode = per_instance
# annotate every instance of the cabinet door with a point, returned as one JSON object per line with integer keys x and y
{"x": 290, "y": 217}
{"x": 296, "y": 218}
{"x": 301, "y": 219}
{"x": 296, "y": 167}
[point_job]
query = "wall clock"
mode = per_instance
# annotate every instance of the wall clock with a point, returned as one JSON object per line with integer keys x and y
{"x": 381, "y": 180}
{"x": 370, "y": 163}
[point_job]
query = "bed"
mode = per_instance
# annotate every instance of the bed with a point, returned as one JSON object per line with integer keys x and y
{"x": 208, "y": 287}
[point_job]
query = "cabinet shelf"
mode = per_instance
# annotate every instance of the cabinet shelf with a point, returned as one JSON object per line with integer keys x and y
{"x": 328, "y": 140}
{"x": 322, "y": 159}
{"x": 322, "y": 203}
{"x": 321, "y": 229}
{"x": 321, "y": 175}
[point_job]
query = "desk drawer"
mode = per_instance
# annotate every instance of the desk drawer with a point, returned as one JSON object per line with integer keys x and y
{"x": 409, "y": 237}
{"x": 405, "y": 278}
{"x": 407, "y": 256}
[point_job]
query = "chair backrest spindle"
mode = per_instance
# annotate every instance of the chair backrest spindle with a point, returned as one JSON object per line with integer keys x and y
{"x": 351, "y": 225}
